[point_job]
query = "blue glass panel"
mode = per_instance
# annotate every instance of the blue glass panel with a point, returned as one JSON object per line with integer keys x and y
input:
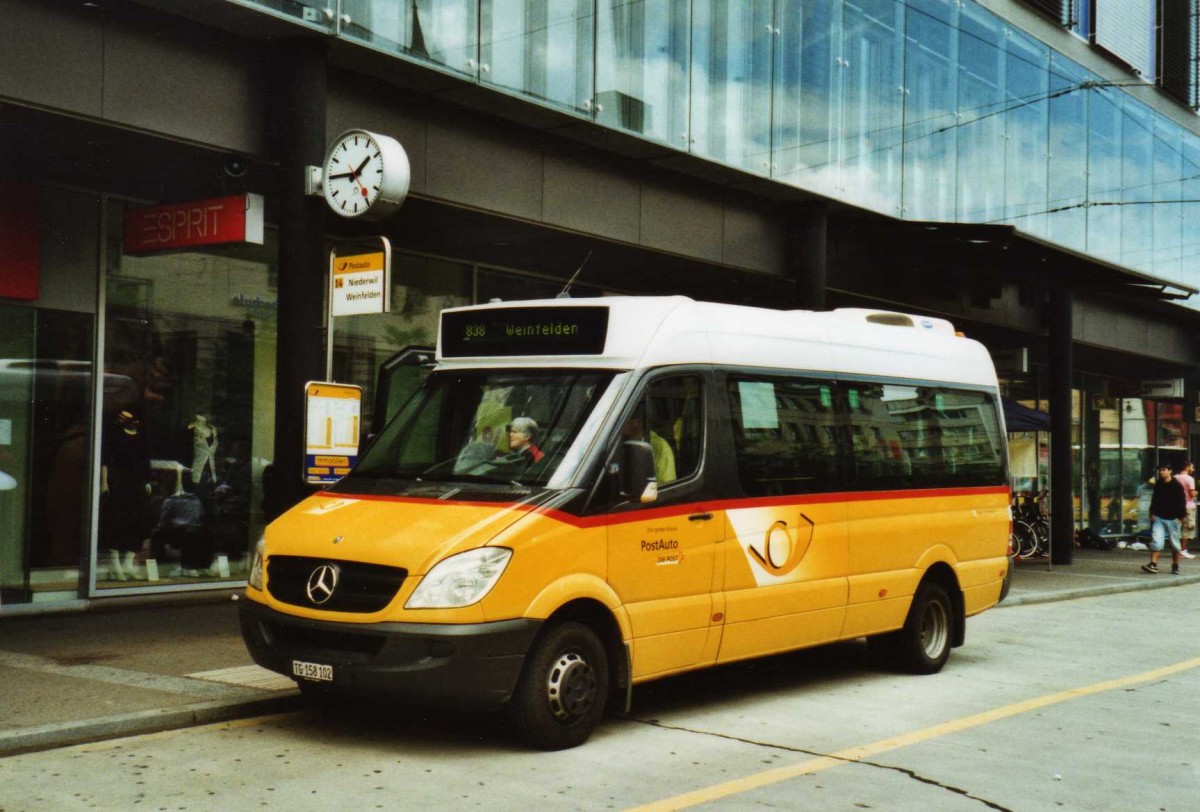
{"x": 1104, "y": 172}
{"x": 642, "y": 68}
{"x": 1137, "y": 185}
{"x": 1027, "y": 125}
{"x": 1190, "y": 245}
{"x": 1167, "y": 211}
{"x": 981, "y": 104}
{"x": 444, "y": 32}
{"x": 1068, "y": 183}
{"x": 873, "y": 103}
{"x": 540, "y": 48}
{"x": 807, "y": 109}
{"x": 930, "y": 102}
{"x": 731, "y": 82}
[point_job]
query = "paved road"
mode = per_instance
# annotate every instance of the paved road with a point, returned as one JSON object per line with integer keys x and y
{"x": 1081, "y": 705}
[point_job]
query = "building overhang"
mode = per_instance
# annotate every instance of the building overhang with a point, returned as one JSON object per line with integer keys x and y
{"x": 1002, "y": 253}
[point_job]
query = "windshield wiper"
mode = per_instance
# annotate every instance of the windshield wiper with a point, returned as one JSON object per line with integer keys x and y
{"x": 427, "y": 477}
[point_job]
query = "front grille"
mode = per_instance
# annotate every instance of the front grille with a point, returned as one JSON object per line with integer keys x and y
{"x": 310, "y": 639}
{"x": 359, "y": 587}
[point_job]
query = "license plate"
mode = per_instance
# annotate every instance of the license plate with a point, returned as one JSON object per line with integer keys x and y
{"x": 313, "y": 671}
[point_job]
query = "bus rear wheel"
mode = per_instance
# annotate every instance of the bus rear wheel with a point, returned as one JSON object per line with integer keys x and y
{"x": 560, "y": 697}
{"x": 923, "y": 645}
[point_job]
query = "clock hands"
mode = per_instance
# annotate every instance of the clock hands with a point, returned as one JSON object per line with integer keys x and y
{"x": 353, "y": 175}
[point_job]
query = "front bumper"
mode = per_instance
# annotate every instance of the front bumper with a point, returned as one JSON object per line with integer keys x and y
{"x": 470, "y": 666}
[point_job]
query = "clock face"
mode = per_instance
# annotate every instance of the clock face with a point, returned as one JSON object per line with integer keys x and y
{"x": 353, "y": 174}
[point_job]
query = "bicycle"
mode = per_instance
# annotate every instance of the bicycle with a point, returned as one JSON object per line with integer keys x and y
{"x": 1031, "y": 525}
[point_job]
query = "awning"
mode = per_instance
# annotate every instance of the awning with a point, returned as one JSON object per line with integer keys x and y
{"x": 983, "y": 255}
{"x": 1021, "y": 418}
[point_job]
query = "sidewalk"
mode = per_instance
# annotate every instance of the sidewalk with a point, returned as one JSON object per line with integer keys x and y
{"x": 109, "y": 672}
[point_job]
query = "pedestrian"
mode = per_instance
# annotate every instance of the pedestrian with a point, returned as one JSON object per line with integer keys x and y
{"x": 1168, "y": 504}
{"x": 1187, "y": 478}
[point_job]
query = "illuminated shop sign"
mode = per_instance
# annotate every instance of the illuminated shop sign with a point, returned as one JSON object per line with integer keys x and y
{"x": 217, "y": 221}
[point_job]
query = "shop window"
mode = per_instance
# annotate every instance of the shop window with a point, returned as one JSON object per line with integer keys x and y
{"x": 511, "y": 287}
{"x": 45, "y": 441}
{"x": 187, "y": 435}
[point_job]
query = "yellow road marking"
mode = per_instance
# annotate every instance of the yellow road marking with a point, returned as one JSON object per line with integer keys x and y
{"x": 854, "y": 754}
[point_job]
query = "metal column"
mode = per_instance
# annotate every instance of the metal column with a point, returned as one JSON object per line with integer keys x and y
{"x": 299, "y": 115}
{"x": 1062, "y": 507}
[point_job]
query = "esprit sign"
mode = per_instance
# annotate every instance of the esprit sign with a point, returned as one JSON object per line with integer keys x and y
{"x": 234, "y": 219}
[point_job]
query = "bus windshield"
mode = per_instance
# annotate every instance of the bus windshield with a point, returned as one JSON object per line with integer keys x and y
{"x": 490, "y": 426}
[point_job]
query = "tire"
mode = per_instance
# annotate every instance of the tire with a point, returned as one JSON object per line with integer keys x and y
{"x": 560, "y": 697}
{"x": 1024, "y": 539}
{"x": 1041, "y": 530}
{"x": 923, "y": 645}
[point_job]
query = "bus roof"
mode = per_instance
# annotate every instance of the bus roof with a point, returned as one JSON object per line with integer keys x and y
{"x": 636, "y": 332}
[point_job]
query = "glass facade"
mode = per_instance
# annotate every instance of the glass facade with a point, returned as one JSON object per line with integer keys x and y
{"x": 1118, "y": 441}
{"x": 157, "y": 477}
{"x": 46, "y": 386}
{"x": 187, "y": 426}
{"x": 923, "y": 109}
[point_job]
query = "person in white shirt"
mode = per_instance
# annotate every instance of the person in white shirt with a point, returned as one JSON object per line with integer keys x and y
{"x": 1187, "y": 478}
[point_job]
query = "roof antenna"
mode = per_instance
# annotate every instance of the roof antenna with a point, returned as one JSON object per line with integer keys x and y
{"x": 565, "y": 293}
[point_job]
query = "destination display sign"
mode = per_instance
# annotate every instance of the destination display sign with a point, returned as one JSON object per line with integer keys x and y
{"x": 524, "y": 331}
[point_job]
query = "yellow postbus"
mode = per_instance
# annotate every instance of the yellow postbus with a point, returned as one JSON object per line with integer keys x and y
{"x": 587, "y": 494}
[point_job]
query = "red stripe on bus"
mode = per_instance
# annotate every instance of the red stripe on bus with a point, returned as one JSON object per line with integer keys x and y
{"x": 654, "y": 514}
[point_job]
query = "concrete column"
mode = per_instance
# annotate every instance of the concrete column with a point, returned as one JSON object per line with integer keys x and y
{"x": 299, "y": 115}
{"x": 1062, "y": 521}
{"x": 808, "y": 254}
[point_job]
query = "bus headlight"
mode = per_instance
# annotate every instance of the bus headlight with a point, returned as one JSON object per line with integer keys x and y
{"x": 255, "y": 578}
{"x": 460, "y": 580}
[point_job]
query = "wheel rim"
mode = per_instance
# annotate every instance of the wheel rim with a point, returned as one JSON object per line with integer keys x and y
{"x": 935, "y": 629}
{"x": 570, "y": 687}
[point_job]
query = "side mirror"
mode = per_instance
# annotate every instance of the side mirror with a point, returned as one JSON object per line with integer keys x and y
{"x": 637, "y": 478}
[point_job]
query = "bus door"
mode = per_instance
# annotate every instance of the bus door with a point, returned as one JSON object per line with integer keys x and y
{"x": 662, "y": 555}
{"x": 785, "y": 574}
{"x": 398, "y": 377}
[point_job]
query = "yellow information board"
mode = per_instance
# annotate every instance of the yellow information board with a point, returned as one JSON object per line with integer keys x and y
{"x": 333, "y": 428}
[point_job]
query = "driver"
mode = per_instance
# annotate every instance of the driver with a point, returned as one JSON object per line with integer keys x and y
{"x": 522, "y": 432}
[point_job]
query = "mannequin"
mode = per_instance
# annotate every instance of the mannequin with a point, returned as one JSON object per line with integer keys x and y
{"x": 124, "y": 491}
{"x": 204, "y": 449}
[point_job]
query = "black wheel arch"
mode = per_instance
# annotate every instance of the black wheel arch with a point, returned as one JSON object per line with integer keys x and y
{"x": 597, "y": 617}
{"x": 943, "y": 575}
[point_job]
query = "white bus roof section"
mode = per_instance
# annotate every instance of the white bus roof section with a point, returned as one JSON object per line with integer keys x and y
{"x": 653, "y": 331}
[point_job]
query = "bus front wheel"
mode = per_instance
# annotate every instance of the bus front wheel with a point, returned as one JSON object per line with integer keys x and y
{"x": 560, "y": 697}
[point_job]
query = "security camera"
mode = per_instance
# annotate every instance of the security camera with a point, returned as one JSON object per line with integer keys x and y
{"x": 235, "y": 166}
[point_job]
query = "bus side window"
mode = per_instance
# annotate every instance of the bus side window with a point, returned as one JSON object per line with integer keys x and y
{"x": 786, "y": 435}
{"x": 925, "y": 437}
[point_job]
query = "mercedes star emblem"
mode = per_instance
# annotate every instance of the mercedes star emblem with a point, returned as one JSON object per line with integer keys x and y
{"x": 321, "y": 583}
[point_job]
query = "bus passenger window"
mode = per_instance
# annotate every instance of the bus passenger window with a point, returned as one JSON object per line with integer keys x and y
{"x": 924, "y": 437}
{"x": 786, "y": 435}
